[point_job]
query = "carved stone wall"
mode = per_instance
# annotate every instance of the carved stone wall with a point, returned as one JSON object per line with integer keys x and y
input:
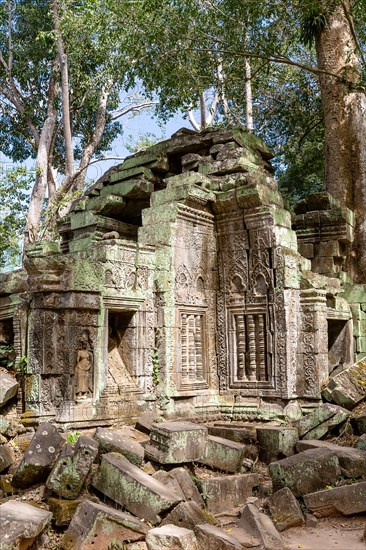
{"x": 60, "y": 326}
{"x": 179, "y": 283}
{"x": 195, "y": 294}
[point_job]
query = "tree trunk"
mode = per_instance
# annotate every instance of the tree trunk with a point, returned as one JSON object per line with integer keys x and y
{"x": 46, "y": 137}
{"x": 39, "y": 190}
{"x": 344, "y": 113}
{"x": 248, "y": 96}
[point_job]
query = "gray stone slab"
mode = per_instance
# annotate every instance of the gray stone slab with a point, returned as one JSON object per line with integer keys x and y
{"x": 187, "y": 485}
{"x": 72, "y": 467}
{"x": 169, "y": 482}
{"x": 223, "y": 454}
{"x": 276, "y": 442}
{"x": 132, "y": 488}
{"x": 347, "y": 388}
{"x": 215, "y": 538}
{"x": 224, "y": 493}
{"x": 39, "y": 457}
{"x": 188, "y": 515}
{"x": 176, "y": 442}
{"x": 323, "y": 428}
{"x": 20, "y": 522}
{"x": 305, "y": 472}
{"x": 285, "y": 509}
{"x": 243, "y": 433}
{"x": 261, "y": 527}
{"x": 317, "y": 416}
{"x": 6, "y": 457}
{"x": 97, "y": 525}
{"x": 352, "y": 461}
{"x": 171, "y": 537}
{"x": 346, "y": 500}
{"x": 361, "y": 442}
{"x": 8, "y": 388}
{"x": 114, "y": 441}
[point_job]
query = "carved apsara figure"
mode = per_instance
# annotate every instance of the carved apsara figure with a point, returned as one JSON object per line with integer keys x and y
{"x": 83, "y": 372}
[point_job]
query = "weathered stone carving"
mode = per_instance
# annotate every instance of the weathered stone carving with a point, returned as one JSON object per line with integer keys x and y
{"x": 179, "y": 282}
{"x": 84, "y": 370}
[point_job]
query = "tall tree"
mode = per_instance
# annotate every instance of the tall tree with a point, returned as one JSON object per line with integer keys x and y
{"x": 344, "y": 110}
{"x": 199, "y": 34}
{"x": 59, "y": 94}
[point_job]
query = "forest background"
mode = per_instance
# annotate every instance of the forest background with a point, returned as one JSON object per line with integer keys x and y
{"x": 72, "y": 72}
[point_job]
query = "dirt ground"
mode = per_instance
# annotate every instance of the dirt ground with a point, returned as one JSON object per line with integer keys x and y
{"x": 340, "y": 533}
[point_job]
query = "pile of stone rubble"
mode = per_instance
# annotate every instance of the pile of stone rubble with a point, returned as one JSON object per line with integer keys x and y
{"x": 177, "y": 484}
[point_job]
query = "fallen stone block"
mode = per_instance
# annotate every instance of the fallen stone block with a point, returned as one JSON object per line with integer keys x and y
{"x": 171, "y": 537}
{"x": 310, "y": 520}
{"x": 352, "y": 461}
{"x": 336, "y": 420}
{"x": 261, "y": 527}
{"x": 6, "y": 485}
{"x": 245, "y": 539}
{"x": 40, "y": 456}
{"x": 361, "y": 442}
{"x": 98, "y": 526}
{"x": 145, "y": 422}
{"x": 4, "y": 424}
{"x": 132, "y": 488}
{"x": 285, "y": 510}
{"x": 20, "y": 524}
{"x": 215, "y": 538}
{"x": 223, "y": 454}
{"x": 62, "y": 510}
{"x": 305, "y": 472}
{"x": 187, "y": 486}
{"x": 276, "y": 442}
{"x": 180, "y": 482}
{"x": 243, "y": 433}
{"x": 188, "y": 515}
{"x": 347, "y": 388}
{"x": 176, "y": 442}
{"x": 111, "y": 441}
{"x": 359, "y": 424}
{"x": 346, "y": 500}
{"x": 169, "y": 482}
{"x": 316, "y": 417}
{"x": 8, "y": 388}
{"x": 6, "y": 457}
{"x": 72, "y": 467}
{"x": 227, "y": 492}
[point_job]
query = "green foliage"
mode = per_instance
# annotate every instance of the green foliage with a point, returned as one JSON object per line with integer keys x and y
{"x": 142, "y": 142}
{"x": 313, "y": 22}
{"x": 15, "y": 186}
{"x": 156, "y": 370}
{"x": 21, "y": 365}
{"x": 72, "y": 437}
{"x": 7, "y": 356}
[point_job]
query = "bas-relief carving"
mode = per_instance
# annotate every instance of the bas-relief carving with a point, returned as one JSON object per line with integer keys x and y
{"x": 244, "y": 305}
{"x": 84, "y": 369}
{"x": 195, "y": 299}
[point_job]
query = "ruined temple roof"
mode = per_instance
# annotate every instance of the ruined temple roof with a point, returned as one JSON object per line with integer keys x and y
{"x": 124, "y": 190}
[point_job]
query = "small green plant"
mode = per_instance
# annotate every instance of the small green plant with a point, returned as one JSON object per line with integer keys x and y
{"x": 72, "y": 437}
{"x": 155, "y": 370}
{"x": 21, "y": 365}
{"x": 7, "y": 356}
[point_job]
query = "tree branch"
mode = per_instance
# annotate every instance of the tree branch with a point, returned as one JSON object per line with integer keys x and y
{"x": 353, "y": 32}
{"x": 133, "y": 108}
{"x": 65, "y": 91}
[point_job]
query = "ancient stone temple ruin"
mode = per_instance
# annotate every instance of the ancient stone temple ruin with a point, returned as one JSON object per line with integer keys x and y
{"x": 181, "y": 283}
